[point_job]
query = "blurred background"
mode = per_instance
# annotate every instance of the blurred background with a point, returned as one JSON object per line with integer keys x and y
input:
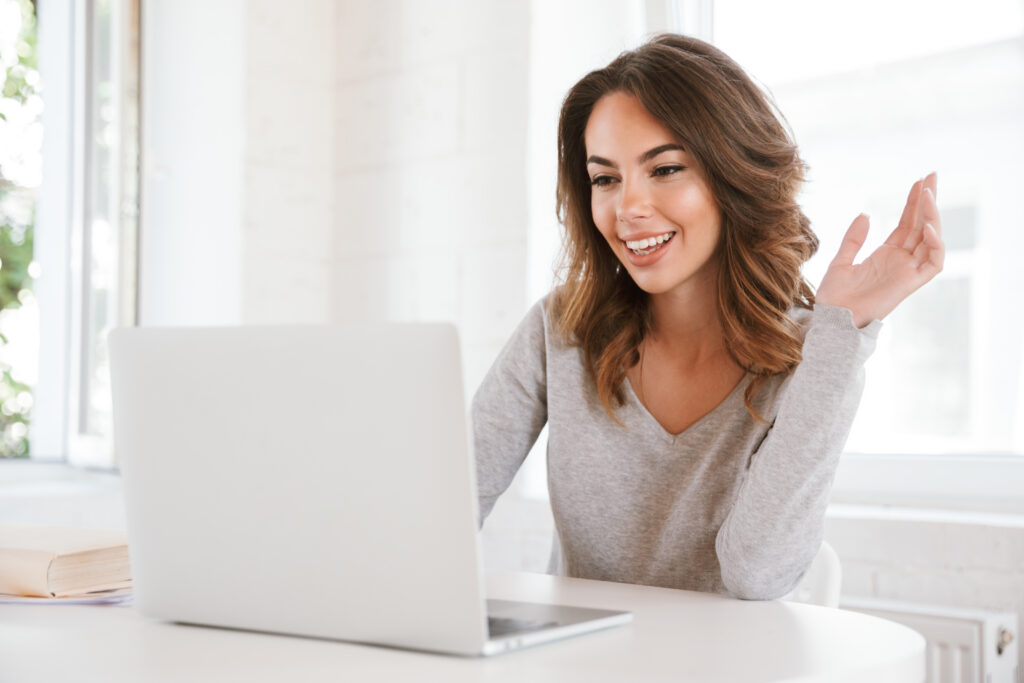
{"x": 329, "y": 161}
{"x": 180, "y": 162}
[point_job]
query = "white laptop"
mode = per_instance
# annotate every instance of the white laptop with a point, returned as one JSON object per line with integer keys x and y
{"x": 313, "y": 481}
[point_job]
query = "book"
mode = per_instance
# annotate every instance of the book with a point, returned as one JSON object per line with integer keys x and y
{"x": 61, "y": 562}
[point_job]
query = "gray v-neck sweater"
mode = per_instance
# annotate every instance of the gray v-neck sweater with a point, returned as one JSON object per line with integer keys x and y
{"x": 730, "y": 505}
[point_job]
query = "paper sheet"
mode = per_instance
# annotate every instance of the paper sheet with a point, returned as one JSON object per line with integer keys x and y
{"x": 117, "y": 597}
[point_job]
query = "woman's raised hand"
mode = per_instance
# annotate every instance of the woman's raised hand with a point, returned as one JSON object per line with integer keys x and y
{"x": 911, "y": 256}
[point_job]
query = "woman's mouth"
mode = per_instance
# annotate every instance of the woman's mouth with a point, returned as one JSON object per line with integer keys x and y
{"x": 649, "y": 245}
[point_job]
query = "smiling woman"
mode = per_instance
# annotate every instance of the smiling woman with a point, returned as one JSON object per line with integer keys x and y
{"x": 642, "y": 203}
{"x": 657, "y": 213}
{"x": 697, "y": 395}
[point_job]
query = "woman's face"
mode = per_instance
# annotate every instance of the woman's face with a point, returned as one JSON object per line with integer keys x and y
{"x": 649, "y": 199}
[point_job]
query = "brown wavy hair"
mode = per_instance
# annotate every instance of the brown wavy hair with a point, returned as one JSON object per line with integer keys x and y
{"x": 750, "y": 160}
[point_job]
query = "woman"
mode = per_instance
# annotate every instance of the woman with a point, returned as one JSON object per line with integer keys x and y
{"x": 698, "y": 392}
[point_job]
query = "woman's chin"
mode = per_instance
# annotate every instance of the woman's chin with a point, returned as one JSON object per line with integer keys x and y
{"x": 655, "y": 284}
{"x": 651, "y": 285}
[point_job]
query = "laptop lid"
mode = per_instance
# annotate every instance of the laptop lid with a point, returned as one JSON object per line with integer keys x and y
{"x": 308, "y": 480}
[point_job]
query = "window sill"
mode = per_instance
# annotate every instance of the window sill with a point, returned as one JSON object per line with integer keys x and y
{"x": 982, "y": 489}
{"x": 57, "y": 493}
{"x": 983, "y": 483}
{"x": 890, "y": 513}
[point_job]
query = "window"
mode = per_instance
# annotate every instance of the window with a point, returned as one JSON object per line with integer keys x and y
{"x": 878, "y": 95}
{"x": 20, "y": 142}
{"x": 893, "y": 91}
{"x": 87, "y": 222}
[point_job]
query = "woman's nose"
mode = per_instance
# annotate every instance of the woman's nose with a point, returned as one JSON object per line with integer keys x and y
{"x": 634, "y": 202}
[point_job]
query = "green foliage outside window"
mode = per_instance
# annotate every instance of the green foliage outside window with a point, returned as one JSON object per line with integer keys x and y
{"x": 16, "y": 236}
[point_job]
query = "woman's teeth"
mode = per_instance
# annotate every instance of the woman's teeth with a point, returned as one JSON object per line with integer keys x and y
{"x": 648, "y": 245}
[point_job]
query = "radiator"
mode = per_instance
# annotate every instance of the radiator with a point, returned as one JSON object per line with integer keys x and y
{"x": 964, "y": 645}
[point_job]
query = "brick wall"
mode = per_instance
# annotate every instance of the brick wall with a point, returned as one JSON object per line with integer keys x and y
{"x": 429, "y": 177}
{"x": 385, "y": 165}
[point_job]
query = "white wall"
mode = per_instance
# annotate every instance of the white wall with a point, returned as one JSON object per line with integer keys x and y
{"x": 193, "y": 143}
{"x": 429, "y": 179}
{"x": 289, "y": 209}
{"x": 321, "y": 161}
{"x": 930, "y": 556}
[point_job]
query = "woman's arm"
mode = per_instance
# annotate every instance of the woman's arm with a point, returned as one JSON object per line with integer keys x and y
{"x": 776, "y": 523}
{"x": 510, "y": 409}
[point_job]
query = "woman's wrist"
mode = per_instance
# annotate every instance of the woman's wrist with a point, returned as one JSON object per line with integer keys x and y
{"x": 840, "y": 316}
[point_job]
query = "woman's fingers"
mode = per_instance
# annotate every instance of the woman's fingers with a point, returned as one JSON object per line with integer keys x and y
{"x": 920, "y": 208}
{"x": 920, "y": 253}
{"x": 930, "y": 209}
{"x": 935, "y": 252}
{"x": 853, "y": 240}
{"x": 927, "y": 212}
{"x": 913, "y": 236}
{"x": 908, "y": 218}
{"x": 931, "y": 181}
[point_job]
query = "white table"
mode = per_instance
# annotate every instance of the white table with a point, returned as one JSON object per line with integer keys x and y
{"x": 675, "y": 636}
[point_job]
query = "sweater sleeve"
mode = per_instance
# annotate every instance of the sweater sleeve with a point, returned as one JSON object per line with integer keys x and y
{"x": 510, "y": 409}
{"x": 776, "y": 523}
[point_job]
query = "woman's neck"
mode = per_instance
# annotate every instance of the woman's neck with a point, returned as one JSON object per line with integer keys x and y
{"x": 686, "y": 324}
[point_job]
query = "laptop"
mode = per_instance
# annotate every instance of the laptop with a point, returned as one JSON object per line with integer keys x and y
{"x": 313, "y": 481}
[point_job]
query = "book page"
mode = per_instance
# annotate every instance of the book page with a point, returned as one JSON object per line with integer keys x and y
{"x": 58, "y": 540}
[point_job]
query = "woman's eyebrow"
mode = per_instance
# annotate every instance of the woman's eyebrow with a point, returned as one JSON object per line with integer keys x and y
{"x": 645, "y": 157}
{"x": 651, "y": 153}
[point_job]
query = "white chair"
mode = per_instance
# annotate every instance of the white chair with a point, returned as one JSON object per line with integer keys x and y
{"x": 821, "y": 584}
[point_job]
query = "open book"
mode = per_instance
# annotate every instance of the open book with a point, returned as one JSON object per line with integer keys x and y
{"x": 55, "y": 562}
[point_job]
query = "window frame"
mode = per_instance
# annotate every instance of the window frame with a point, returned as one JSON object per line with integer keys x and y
{"x": 59, "y": 428}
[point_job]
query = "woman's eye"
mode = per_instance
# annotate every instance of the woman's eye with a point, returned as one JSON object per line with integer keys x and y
{"x": 602, "y": 180}
{"x": 668, "y": 170}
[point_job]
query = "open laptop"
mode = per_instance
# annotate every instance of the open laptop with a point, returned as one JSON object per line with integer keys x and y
{"x": 311, "y": 480}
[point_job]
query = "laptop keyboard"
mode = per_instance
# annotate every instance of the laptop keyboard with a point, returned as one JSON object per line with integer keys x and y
{"x": 502, "y": 626}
